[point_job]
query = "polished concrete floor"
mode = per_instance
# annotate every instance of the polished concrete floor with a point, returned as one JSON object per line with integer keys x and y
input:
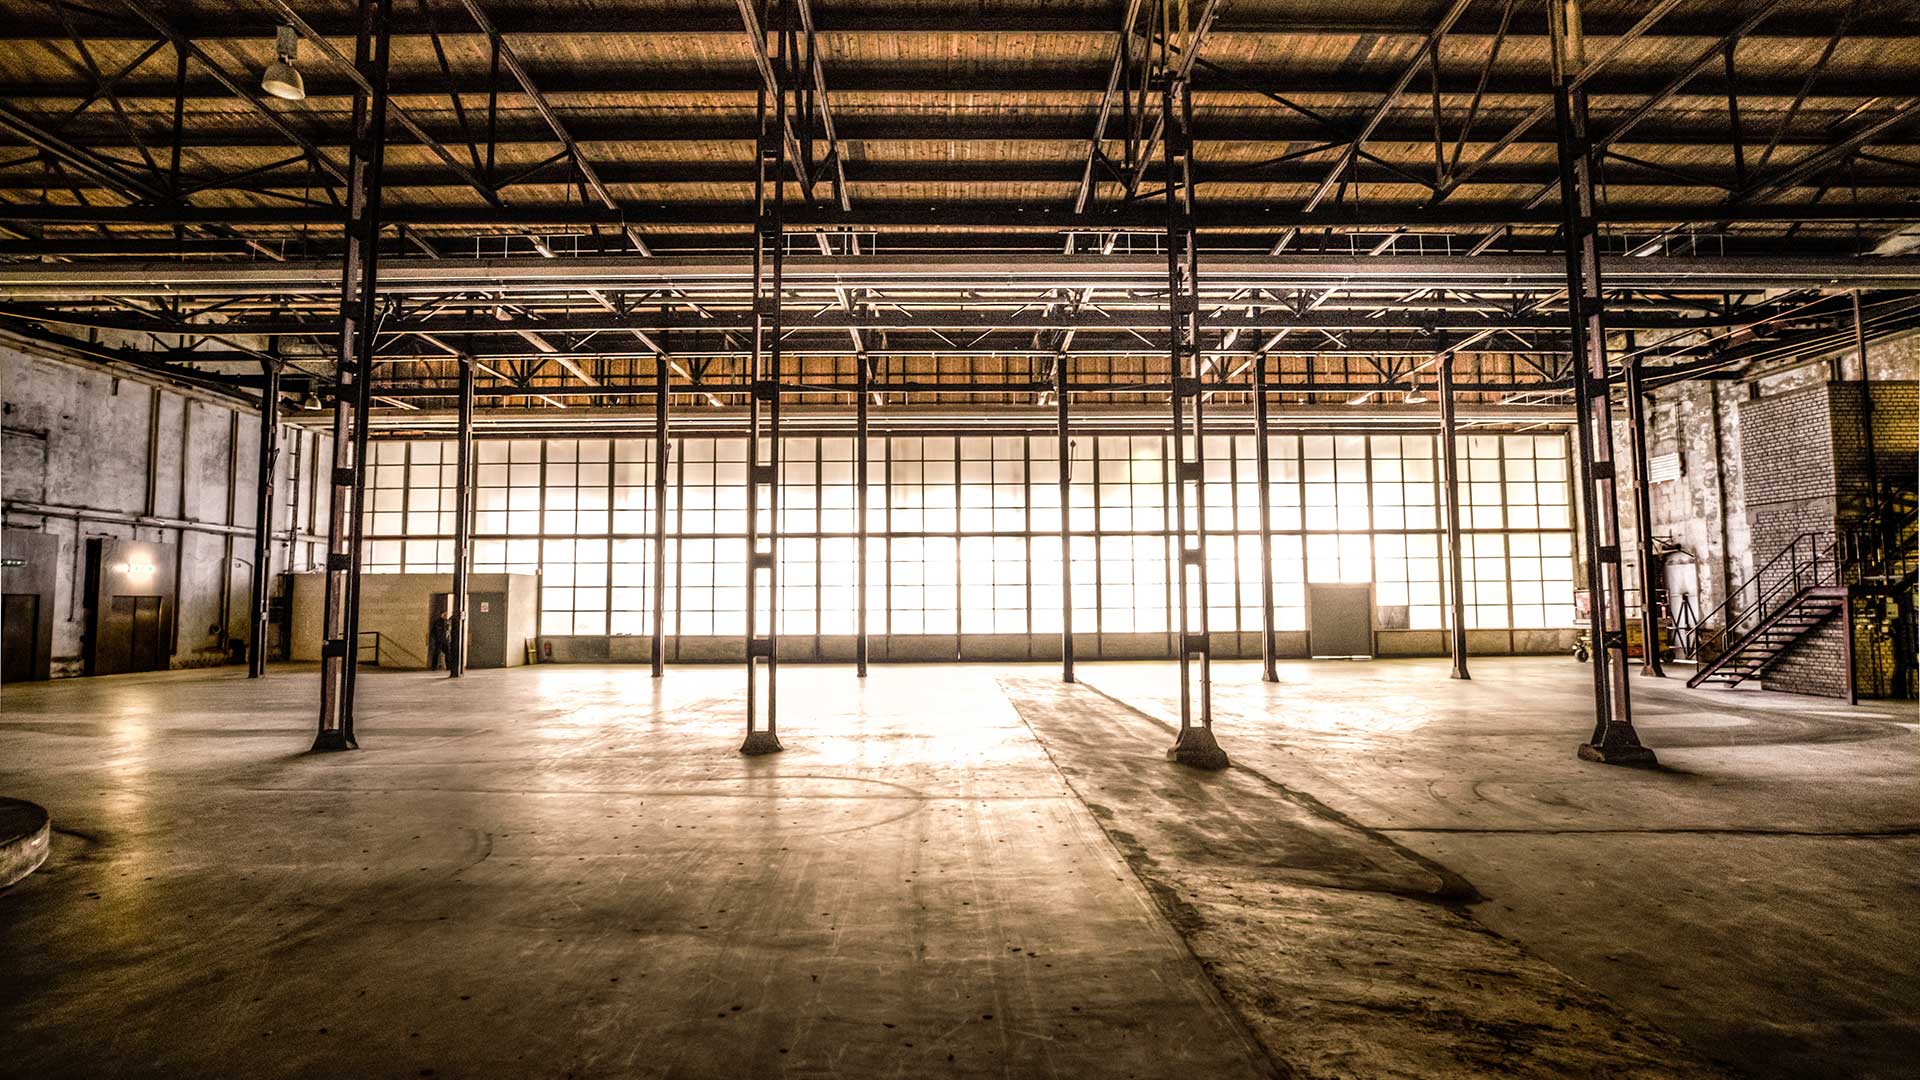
{"x": 959, "y": 870}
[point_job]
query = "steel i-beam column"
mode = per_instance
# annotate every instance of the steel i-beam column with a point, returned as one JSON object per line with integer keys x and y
{"x": 1065, "y": 452}
{"x": 1263, "y": 475}
{"x": 263, "y": 519}
{"x": 763, "y": 407}
{"x": 1651, "y": 586}
{"x": 661, "y": 449}
{"x": 860, "y": 515}
{"x": 1614, "y": 740}
{"x": 358, "y": 316}
{"x": 1450, "y": 477}
{"x": 1195, "y": 745}
{"x": 462, "y": 524}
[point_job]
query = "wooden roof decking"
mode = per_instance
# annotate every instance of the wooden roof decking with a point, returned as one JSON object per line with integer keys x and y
{"x": 963, "y": 126}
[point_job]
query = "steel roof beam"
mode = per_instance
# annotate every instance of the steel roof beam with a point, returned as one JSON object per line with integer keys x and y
{"x": 531, "y": 20}
{"x": 1217, "y": 216}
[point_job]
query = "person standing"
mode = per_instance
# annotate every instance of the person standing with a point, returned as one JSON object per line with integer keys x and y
{"x": 439, "y": 641}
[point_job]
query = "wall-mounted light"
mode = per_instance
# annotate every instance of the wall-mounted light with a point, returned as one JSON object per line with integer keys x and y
{"x": 282, "y": 79}
{"x": 134, "y": 569}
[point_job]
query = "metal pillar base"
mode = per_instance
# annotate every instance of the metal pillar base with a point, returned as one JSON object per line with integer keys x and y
{"x": 1632, "y": 755}
{"x": 333, "y": 740}
{"x": 1197, "y": 749}
{"x": 761, "y": 742}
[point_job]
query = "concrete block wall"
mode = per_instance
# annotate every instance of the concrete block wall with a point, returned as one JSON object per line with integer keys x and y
{"x": 400, "y": 608}
{"x": 85, "y": 452}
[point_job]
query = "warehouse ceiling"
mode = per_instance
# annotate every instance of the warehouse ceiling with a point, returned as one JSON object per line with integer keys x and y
{"x": 569, "y": 192}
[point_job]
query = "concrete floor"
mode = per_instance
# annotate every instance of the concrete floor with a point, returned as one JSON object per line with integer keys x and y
{"x": 957, "y": 871}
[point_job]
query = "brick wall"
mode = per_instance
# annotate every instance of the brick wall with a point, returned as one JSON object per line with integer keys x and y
{"x": 1787, "y": 447}
{"x": 1816, "y": 664}
{"x": 1770, "y": 457}
{"x": 1794, "y": 447}
{"x": 1896, "y": 431}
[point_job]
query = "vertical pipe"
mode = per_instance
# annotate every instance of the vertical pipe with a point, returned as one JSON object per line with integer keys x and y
{"x": 1881, "y": 536}
{"x": 860, "y": 516}
{"x": 1456, "y": 566}
{"x": 227, "y": 542}
{"x": 358, "y": 300}
{"x": 1614, "y": 740}
{"x": 661, "y": 449}
{"x": 1651, "y": 583}
{"x": 1879, "y": 531}
{"x": 462, "y": 524}
{"x": 1263, "y": 475}
{"x": 263, "y": 518}
{"x": 1065, "y": 451}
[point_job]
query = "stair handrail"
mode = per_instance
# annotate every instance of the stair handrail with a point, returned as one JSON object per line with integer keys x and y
{"x": 1822, "y": 561}
{"x": 1886, "y": 548}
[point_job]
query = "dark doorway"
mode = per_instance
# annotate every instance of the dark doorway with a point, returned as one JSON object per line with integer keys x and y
{"x": 19, "y": 637}
{"x": 439, "y": 604}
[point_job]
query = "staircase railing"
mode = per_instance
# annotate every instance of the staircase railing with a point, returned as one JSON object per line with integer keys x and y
{"x": 1887, "y": 549}
{"x": 1812, "y": 558}
{"x": 1888, "y": 552}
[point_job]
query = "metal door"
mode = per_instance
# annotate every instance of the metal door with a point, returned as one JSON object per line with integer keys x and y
{"x": 1340, "y": 620}
{"x": 486, "y": 629}
{"x": 133, "y": 638}
{"x": 149, "y": 640}
{"x": 19, "y": 635}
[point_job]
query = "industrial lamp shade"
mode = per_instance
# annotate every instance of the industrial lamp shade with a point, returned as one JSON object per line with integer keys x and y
{"x": 282, "y": 79}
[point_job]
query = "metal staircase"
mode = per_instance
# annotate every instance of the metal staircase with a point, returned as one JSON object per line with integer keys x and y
{"x": 1799, "y": 589}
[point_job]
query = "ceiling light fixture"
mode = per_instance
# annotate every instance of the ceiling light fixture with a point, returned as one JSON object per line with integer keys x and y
{"x": 1414, "y": 397}
{"x": 282, "y": 79}
{"x": 311, "y": 402}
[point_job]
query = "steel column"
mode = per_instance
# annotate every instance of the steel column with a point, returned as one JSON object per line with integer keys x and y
{"x": 1651, "y": 586}
{"x": 763, "y": 408}
{"x": 1450, "y": 478}
{"x": 1065, "y": 451}
{"x": 462, "y": 523}
{"x": 353, "y": 366}
{"x": 1614, "y": 740}
{"x": 263, "y": 519}
{"x": 860, "y": 514}
{"x": 661, "y": 448}
{"x": 1195, "y": 744}
{"x": 1263, "y": 475}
